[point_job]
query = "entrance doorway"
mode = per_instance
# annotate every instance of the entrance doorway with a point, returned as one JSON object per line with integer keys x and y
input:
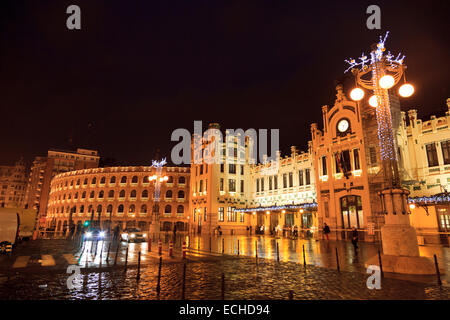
{"x": 352, "y": 215}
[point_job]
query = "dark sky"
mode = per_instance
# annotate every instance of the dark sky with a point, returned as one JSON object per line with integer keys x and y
{"x": 140, "y": 69}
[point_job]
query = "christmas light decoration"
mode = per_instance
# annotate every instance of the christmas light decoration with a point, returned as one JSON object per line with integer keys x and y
{"x": 357, "y": 94}
{"x": 301, "y": 206}
{"x": 387, "y": 81}
{"x": 406, "y": 90}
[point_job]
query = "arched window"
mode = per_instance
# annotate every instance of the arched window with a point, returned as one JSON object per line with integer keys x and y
{"x": 102, "y": 180}
{"x": 144, "y": 208}
{"x": 181, "y": 194}
{"x": 122, "y": 194}
{"x": 123, "y": 179}
{"x": 145, "y": 194}
{"x": 120, "y": 209}
{"x": 111, "y": 194}
{"x": 94, "y": 180}
{"x": 170, "y": 180}
{"x": 112, "y": 180}
{"x": 131, "y": 209}
{"x": 85, "y": 181}
{"x": 100, "y": 194}
{"x": 65, "y": 185}
{"x": 78, "y": 182}
{"x": 92, "y": 195}
{"x": 81, "y": 209}
{"x": 76, "y": 195}
{"x": 134, "y": 179}
{"x": 145, "y": 179}
{"x": 99, "y": 208}
{"x": 67, "y": 209}
{"x": 109, "y": 208}
{"x": 180, "y": 209}
{"x": 71, "y": 183}
{"x": 83, "y": 195}
{"x": 133, "y": 194}
{"x": 90, "y": 209}
{"x": 169, "y": 194}
{"x": 168, "y": 209}
{"x": 70, "y": 196}
{"x": 181, "y": 180}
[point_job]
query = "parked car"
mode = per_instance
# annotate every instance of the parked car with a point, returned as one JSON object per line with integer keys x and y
{"x": 94, "y": 234}
{"x": 133, "y": 235}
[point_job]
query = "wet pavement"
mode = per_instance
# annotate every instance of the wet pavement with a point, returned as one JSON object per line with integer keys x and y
{"x": 245, "y": 276}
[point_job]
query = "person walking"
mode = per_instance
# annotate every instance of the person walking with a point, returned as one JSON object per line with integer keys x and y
{"x": 355, "y": 238}
{"x": 326, "y": 230}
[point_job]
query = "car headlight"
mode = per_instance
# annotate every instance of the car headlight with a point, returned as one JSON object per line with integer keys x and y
{"x": 125, "y": 235}
{"x": 102, "y": 234}
{"x": 133, "y": 235}
{"x": 88, "y": 234}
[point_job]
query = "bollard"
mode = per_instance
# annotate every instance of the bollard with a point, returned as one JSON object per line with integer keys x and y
{"x": 209, "y": 243}
{"x": 438, "y": 274}
{"x": 278, "y": 253}
{"x": 171, "y": 249}
{"x": 184, "y": 281}
{"x": 198, "y": 243}
{"x": 223, "y": 245}
{"x": 223, "y": 286}
{"x": 109, "y": 248}
{"x": 256, "y": 250}
{"x": 238, "y": 248}
{"x": 381, "y": 265}
{"x": 159, "y": 247}
{"x": 149, "y": 244}
{"x": 126, "y": 259}
{"x": 304, "y": 257}
{"x": 291, "y": 295}
{"x": 184, "y": 250}
{"x": 138, "y": 276}
{"x": 337, "y": 260}
{"x": 117, "y": 253}
{"x": 158, "y": 286}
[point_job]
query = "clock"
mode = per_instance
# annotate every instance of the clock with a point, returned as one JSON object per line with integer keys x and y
{"x": 343, "y": 126}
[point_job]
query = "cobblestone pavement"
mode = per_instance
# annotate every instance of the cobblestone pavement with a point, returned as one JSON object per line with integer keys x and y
{"x": 244, "y": 278}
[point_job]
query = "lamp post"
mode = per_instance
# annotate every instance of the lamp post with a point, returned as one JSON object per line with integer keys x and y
{"x": 379, "y": 73}
{"x": 158, "y": 178}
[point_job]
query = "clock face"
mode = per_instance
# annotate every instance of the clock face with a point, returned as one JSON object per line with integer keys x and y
{"x": 343, "y": 125}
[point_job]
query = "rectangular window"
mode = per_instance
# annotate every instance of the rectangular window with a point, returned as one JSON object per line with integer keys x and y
{"x": 233, "y": 214}
{"x": 201, "y": 186}
{"x": 356, "y": 164}
{"x": 257, "y": 185}
{"x": 195, "y": 214}
{"x": 336, "y": 163}
{"x": 262, "y": 184}
{"x": 201, "y": 169}
{"x": 308, "y": 176}
{"x": 232, "y": 168}
{"x": 270, "y": 183}
{"x": 275, "y": 182}
{"x": 231, "y": 185}
{"x": 300, "y": 177}
{"x": 327, "y": 212}
{"x": 229, "y": 214}
{"x": 284, "y": 180}
{"x": 242, "y": 186}
{"x": 445, "y": 146}
{"x": 221, "y": 184}
{"x": 242, "y": 169}
{"x": 221, "y": 214}
{"x": 241, "y": 217}
{"x": 291, "y": 180}
{"x": 221, "y": 167}
{"x": 204, "y": 214}
{"x": 324, "y": 166}
{"x": 432, "y": 155}
{"x": 372, "y": 155}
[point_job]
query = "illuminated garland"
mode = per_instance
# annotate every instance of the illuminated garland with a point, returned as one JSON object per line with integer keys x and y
{"x": 309, "y": 205}
{"x": 431, "y": 199}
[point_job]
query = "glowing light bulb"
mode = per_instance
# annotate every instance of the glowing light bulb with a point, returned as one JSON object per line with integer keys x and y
{"x": 387, "y": 82}
{"x": 357, "y": 94}
{"x": 406, "y": 90}
{"x": 301, "y": 210}
{"x": 254, "y": 212}
{"x": 373, "y": 101}
{"x": 268, "y": 212}
{"x": 412, "y": 206}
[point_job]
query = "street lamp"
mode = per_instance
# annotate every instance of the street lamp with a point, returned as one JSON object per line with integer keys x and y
{"x": 379, "y": 73}
{"x": 158, "y": 178}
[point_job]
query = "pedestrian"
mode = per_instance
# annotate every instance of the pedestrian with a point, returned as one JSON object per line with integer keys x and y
{"x": 355, "y": 238}
{"x": 326, "y": 230}
{"x": 295, "y": 232}
{"x": 116, "y": 232}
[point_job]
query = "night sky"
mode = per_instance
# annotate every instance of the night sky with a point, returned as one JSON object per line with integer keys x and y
{"x": 137, "y": 70}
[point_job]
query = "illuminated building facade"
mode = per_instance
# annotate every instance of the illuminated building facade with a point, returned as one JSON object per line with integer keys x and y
{"x": 12, "y": 185}
{"x": 44, "y": 169}
{"x": 119, "y": 195}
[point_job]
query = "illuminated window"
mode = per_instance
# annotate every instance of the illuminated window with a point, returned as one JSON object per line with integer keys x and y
{"x": 221, "y": 214}
{"x": 231, "y": 185}
{"x": 356, "y": 164}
